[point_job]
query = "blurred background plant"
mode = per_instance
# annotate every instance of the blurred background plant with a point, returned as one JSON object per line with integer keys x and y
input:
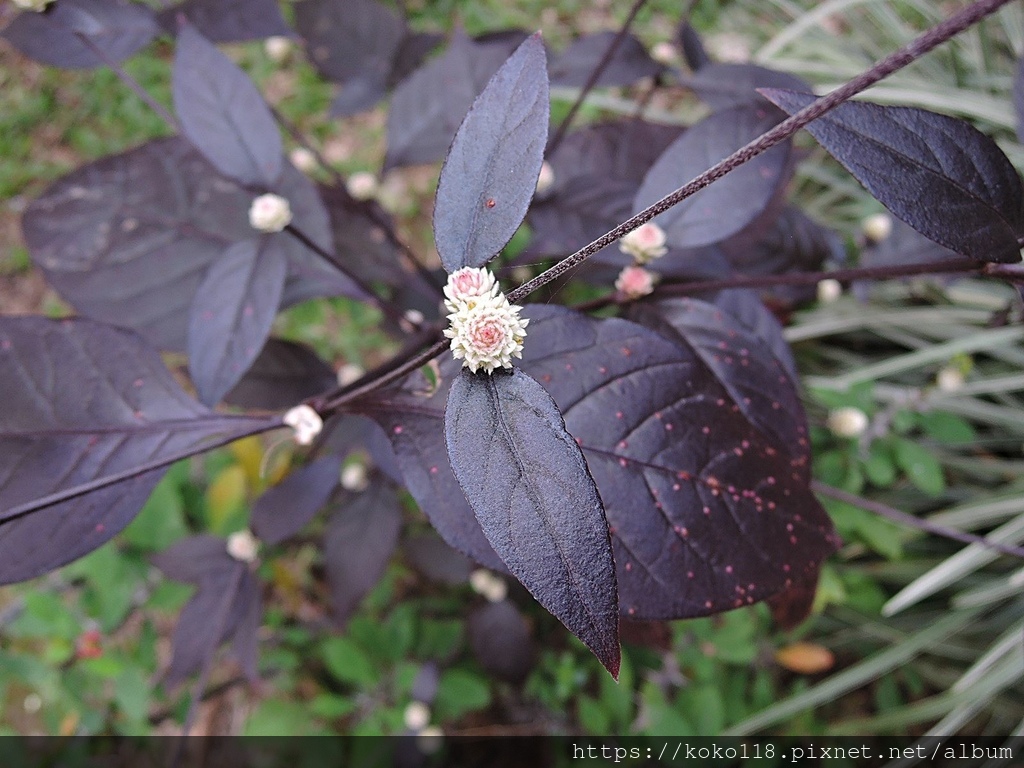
{"x": 913, "y": 387}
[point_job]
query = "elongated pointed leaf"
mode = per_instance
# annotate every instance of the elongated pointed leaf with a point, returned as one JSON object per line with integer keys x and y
{"x": 725, "y": 85}
{"x": 84, "y": 404}
{"x": 529, "y": 486}
{"x": 116, "y": 27}
{"x": 743, "y": 193}
{"x": 490, "y": 174}
{"x": 195, "y": 559}
{"x": 228, "y": 21}
{"x": 223, "y": 114}
{"x": 121, "y": 248}
{"x": 598, "y": 170}
{"x": 939, "y": 174}
{"x": 285, "y": 373}
{"x": 232, "y": 312}
{"x": 360, "y": 539}
{"x": 428, "y": 105}
{"x": 283, "y": 510}
{"x": 707, "y": 511}
{"x": 412, "y": 417}
{"x": 629, "y": 63}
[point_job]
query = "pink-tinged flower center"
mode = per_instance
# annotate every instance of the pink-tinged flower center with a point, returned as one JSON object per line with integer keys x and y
{"x": 487, "y": 334}
{"x": 635, "y": 282}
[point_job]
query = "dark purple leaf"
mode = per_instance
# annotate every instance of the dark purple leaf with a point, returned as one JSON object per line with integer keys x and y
{"x": 693, "y": 47}
{"x": 223, "y": 114}
{"x": 284, "y": 509}
{"x": 597, "y": 171}
{"x": 629, "y": 63}
{"x": 360, "y": 242}
{"x": 285, "y": 373}
{"x": 412, "y": 417}
{"x": 707, "y": 512}
{"x": 195, "y": 559}
{"x": 228, "y": 21}
{"x": 939, "y": 174}
{"x": 794, "y": 604}
{"x": 86, "y": 407}
{"x": 490, "y": 174}
{"x": 745, "y": 366}
{"x": 529, "y": 486}
{"x": 232, "y": 312}
{"x": 725, "y": 85}
{"x": 226, "y": 607}
{"x": 744, "y": 193}
{"x": 415, "y": 47}
{"x": 428, "y": 105}
{"x": 361, "y": 536}
{"x": 429, "y": 555}
{"x": 746, "y": 308}
{"x": 116, "y": 27}
{"x": 245, "y": 634}
{"x": 120, "y": 248}
{"x": 350, "y": 41}
{"x": 501, "y": 641}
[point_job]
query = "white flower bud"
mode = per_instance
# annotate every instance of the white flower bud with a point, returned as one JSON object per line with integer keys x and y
{"x": 414, "y": 317}
{"x": 303, "y": 159}
{"x": 847, "y": 422}
{"x": 242, "y": 546}
{"x": 950, "y": 379}
{"x": 829, "y": 290}
{"x": 270, "y": 213}
{"x": 362, "y": 185}
{"x": 486, "y": 331}
{"x": 354, "y": 478}
{"x": 32, "y": 703}
{"x": 729, "y": 47}
{"x": 635, "y": 282}
{"x": 664, "y": 53}
{"x": 349, "y": 373}
{"x": 416, "y": 716}
{"x": 489, "y": 586}
{"x": 644, "y": 243}
{"x": 277, "y": 47}
{"x": 33, "y": 5}
{"x": 305, "y": 421}
{"x": 877, "y": 227}
{"x": 546, "y": 178}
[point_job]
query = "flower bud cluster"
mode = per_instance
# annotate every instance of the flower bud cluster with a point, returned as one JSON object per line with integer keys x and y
{"x": 33, "y": 5}
{"x": 486, "y": 331}
{"x": 270, "y": 213}
{"x": 644, "y": 244}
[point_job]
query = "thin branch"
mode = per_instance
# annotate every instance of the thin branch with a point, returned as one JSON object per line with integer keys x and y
{"x": 595, "y": 75}
{"x": 887, "y": 66}
{"x": 28, "y": 507}
{"x": 914, "y": 522}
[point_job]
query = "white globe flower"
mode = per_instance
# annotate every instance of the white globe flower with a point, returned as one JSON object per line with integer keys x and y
{"x": 950, "y": 379}
{"x": 277, "y": 47}
{"x": 354, "y": 478}
{"x": 488, "y": 585}
{"x": 305, "y": 421}
{"x": 467, "y": 286}
{"x": 635, "y": 282}
{"x": 270, "y": 213}
{"x": 487, "y": 334}
{"x": 243, "y": 546}
{"x": 644, "y": 243}
{"x": 877, "y": 227}
{"x": 829, "y": 290}
{"x": 348, "y": 373}
{"x": 362, "y": 185}
{"x": 847, "y": 422}
{"x": 303, "y": 159}
{"x": 664, "y": 53}
{"x": 416, "y": 716}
